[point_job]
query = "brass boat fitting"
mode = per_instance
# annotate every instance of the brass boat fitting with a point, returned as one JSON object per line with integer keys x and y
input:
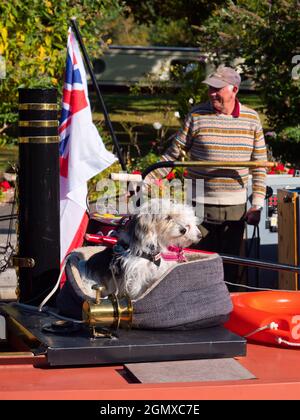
{"x": 106, "y": 314}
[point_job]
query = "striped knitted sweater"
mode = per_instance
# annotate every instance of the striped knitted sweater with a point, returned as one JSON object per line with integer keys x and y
{"x": 207, "y": 135}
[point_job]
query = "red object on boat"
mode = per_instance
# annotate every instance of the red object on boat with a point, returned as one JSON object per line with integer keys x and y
{"x": 174, "y": 253}
{"x": 267, "y": 317}
{"x": 95, "y": 238}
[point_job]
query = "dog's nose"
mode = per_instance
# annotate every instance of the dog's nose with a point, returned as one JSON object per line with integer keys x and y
{"x": 182, "y": 231}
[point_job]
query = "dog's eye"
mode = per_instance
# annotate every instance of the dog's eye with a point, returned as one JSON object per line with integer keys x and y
{"x": 168, "y": 218}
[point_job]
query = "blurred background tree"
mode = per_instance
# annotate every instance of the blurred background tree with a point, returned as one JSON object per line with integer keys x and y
{"x": 194, "y": 11}
{"x": 33, "y": 36}
{"x": 264, "y": 34}
{"x": 170, "y": 22}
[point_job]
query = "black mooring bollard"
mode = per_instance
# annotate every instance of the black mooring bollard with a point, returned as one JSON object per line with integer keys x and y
{"x": 38, "y": 256}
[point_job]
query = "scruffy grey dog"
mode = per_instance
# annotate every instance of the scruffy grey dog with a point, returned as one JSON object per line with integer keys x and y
{"x": 135, "y": 262}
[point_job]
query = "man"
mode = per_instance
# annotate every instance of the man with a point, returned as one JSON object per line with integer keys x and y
{"x": 224, "y": 130}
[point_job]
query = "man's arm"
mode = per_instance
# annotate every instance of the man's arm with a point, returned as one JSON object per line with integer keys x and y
{"x": 258, "y": 177}
{"x": 182, "y": 142}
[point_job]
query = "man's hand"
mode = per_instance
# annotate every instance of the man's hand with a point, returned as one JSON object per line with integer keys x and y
{"x": 253, "y": 215}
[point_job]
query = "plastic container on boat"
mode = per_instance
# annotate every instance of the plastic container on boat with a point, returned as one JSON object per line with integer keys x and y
{"x": 267, "y": 317}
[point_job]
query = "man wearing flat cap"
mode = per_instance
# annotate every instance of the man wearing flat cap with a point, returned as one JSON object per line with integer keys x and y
{"x": 223, "y": 130}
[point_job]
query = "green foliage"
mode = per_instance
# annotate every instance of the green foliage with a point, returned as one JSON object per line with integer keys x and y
{"x": 93, "y": 192}
{"x": 195, "y": 11}
{"x": 33, "y": 35}
{"x": 141, "y": 164}
{"x": 192, "y": 91}
{"x": 187, "y": 77}
{"x": 170, "y": 22}
{"x": 291, "y": 134}
{"x": 171, "y": 33}
{"x": 264, "y": 34}
{"x": 126, "y": 31}
{"x": 285, "y": 145}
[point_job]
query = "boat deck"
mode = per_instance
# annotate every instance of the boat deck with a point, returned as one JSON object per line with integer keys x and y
{"x": 277, "y": 373}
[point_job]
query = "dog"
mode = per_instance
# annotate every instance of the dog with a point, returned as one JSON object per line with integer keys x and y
{"x": 136, "y": 261}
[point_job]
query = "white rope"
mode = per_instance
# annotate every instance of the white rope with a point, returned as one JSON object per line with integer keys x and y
{"x": 289, "y": 343}
{"x": 271, "y": 326}
{"x": 40, "y": 307}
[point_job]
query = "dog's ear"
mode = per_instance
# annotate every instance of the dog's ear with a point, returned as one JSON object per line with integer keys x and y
{"x": 137, "y": 229}
{"x": 143, "y": 232}
{"x": 143, "y": 225}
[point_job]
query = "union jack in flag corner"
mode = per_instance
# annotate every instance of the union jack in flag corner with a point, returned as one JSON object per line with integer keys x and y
{"x": 82, "y": 152}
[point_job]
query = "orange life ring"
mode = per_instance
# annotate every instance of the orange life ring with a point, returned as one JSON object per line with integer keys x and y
{"x": 267, "y": 317}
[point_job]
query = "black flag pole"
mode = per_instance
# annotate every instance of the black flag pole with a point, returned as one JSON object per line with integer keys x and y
{"x": 99, "y": 96}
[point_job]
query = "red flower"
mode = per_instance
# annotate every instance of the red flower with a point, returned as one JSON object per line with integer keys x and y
{"x": 280, "y": 167}
{"x": 291, "y": 171}
{"x": 136, "y": 172}
{"x": 4, "y": 186}
{"x": 170, "y": 176}
{"x": 185, "y": 172}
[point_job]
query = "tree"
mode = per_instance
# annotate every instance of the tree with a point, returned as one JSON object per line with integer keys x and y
{"x": 33, "y": 35}
{"x": 171, "y": 22}
{"x": 264, "y": 34}
{"x": 193, "y": 11}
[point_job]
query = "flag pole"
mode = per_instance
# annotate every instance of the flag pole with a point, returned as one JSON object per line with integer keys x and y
{"x": 99, "y": 96}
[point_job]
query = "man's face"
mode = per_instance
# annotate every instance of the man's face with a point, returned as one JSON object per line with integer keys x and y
{"x": 221, "y": 98}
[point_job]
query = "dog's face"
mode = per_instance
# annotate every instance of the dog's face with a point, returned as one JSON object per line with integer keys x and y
{"x": 165, "y": 223}
{"x": 179, "y": 227}
{"x": 159, "y": 224}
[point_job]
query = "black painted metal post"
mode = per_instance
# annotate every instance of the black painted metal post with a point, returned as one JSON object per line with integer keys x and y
{"x": 38, "y": 185}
